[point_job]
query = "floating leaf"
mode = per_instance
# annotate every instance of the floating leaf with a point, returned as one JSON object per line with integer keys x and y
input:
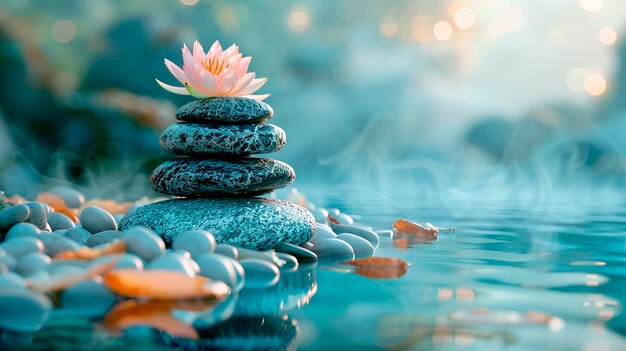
{"x": 157, "y": 314}
{"x": 87, "y": 253}
{"x": 163, "y": 285}
{"x": 58, "y": 204}
{"x": 411, "y": 228}
{"x": 379, "y": 267}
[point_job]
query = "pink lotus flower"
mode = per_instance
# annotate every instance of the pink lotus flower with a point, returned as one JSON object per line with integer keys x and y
{"x": 216, "y": 73}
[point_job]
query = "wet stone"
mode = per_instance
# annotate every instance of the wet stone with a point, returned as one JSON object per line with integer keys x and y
{"x": 104, "y": 237}
{"x": 38, "y": 215}
{"x": 225, "y": 110}
{"x": 78, "y": 235}
{"x": 195, "y": 139}
{"x": 227, "y": 250}
{"x": 13, "y": 215}
{"x": 72, "y": 197}
{"x": 59, "y": 221}
{"x": 298, "y": 252}
{"x": 20, "y": 246}
{"x": 23, "y": 229}
{"x": 220, "y": 177}
{"x": 96, "y": 220}
{"x": 252, "y": 223}
{"x": 333, "y": 248}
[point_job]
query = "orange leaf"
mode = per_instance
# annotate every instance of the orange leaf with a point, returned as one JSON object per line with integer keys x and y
{"x": 58, "y": 204}
{"x": 157, "y": 314}
{"x": 411, "y": 228}
{"x": 87, "y": 253}
{"x": 379, "y": 267}
{"x": 163, "y": 285}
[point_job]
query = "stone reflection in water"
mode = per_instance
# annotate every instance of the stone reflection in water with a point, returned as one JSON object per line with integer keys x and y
{"x": 259, "y": 319}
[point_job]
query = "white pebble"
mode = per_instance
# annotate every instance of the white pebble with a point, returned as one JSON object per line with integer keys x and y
{"x": 197, "y": 242}
{"x": 361, "y": 247}
{"x": 333, "y": 248}
{"x": 321, "y": 233}
{"x": 259, "y": 273}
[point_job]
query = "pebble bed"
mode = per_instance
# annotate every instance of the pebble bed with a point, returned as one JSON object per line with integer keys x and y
{"x": 36, "y": 276}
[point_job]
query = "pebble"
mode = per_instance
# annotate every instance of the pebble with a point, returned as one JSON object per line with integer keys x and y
{"x": 143, "y": 243}
{"x": 195, "y": 139}
{"x": 59, "y": 221}
{"x": 298, "y": 252}
{"x": 241, "y": 275}
{"x": 225, "y": 110}
{"x": 344, "y": 219}
{"x": 78, "y": 235}
{"x": 57, "y": 243}
{"x": 307, "y": 246}
{"x": 361, "y": 247}
{"x": 88, "y": 298}
{"x": 291, "y": 263}
{"x": 32, "y": 263}
{"x": 320, "y": 214}
{"x": 130, "y": 261}
{"x": 259, "y": 273}
{"x": 23, "y": 310}
{"x": 20, "y": 246}
{"x": 218, "y": 267}
{"x": 333, "y": 248}
{"x": 104, "y": 237}
{"x": 385, "y": 233}
{"x": 251, "y": 223}
{"x": 7, "y": 262}
{"x": 23, "y": 229}
{"x": 96, "y": 220}
{"x": 227, "y": 250}
{"x": 72, "y": 197}
{"x": 214, "y": 177}
{"x": 364, "y": 233}
{"x": 11, "y": 280}
{"x": 196, "y": 242}
{"x": 322, "y": 233}
{"x": 13, "y": 215}
{"x": 173, "y": 262}
{"x": 38, "y": 215}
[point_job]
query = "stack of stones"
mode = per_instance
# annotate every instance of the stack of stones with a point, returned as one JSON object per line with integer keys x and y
{"x": 219, "y": 180}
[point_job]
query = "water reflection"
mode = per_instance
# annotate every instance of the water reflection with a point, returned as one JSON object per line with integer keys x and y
{"x": 259, "y": 319}
{"x": 253, "y": 319}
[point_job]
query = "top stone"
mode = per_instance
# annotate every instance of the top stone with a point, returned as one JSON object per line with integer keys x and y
{"x": 225, "y": 110}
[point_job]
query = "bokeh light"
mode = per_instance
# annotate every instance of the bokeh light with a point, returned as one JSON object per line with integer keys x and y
{"x": 595, "y": 84}
{"x": 607, "y": 35}
{"x": 592, "y": 5}
{"x": 497, "y": 27}
{"x": 513, "y": 18}
{"x": 388, "y": 25}
{"x": 576, "y": 79}
{"x": 298, "y": 20}
{"x": 442, "y": 30}
{"x": 464, "y": 18}
{"x": 63, "y": 31}
{"x": 421, "y": 29}
{"x": 188, "y": 2}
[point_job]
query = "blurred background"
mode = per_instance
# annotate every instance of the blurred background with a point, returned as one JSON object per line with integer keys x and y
{"x": 427, "y": 97}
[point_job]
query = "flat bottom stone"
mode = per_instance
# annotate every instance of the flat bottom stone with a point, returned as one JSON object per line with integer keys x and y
{"x": 252, "y": 223}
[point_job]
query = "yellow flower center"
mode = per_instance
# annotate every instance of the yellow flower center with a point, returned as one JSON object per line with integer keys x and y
{"x": 215, "y": 66}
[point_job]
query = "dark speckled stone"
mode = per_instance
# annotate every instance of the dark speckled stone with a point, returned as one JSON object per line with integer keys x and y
{"x": 196, "y": 139}
{"x": 252, "y": 223}
{"x": 230, "y": 110}
{"x": 195, "y": 177}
